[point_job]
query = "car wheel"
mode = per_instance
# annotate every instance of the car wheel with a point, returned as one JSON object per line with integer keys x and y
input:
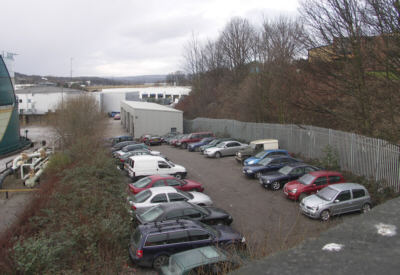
{"x": 302, "y": 196}
{"x": 325, "y": 215}
{"x": 160, "y": 261}
{"x": 178, "y": 176}
{"x": 366, "y": 208}
{"x": 276, "y": 186}
{"x": 217, "y": 155}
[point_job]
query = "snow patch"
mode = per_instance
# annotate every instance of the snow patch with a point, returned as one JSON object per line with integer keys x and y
{"x": 387, "y": 230}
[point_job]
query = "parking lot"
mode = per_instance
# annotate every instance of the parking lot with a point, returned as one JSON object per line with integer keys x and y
{"x": 268, "y": 220}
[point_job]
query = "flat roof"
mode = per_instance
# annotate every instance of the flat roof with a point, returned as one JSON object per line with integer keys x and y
{"x": 149, "y": 106}
{"x": 47, "y": 90}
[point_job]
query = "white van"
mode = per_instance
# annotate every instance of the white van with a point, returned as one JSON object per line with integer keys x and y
{"x": 147, "y": 165}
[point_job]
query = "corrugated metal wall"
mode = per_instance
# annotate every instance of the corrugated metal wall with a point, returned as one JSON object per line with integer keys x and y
{"x": 361, "y": 155}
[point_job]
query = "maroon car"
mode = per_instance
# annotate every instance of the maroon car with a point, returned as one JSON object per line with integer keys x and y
{"x": 193, "y": 137}
{"x": 310, "y": 183}
{"x": 158, "y": 180}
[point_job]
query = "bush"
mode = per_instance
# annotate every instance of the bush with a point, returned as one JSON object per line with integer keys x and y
{"x": 58, "y": 162}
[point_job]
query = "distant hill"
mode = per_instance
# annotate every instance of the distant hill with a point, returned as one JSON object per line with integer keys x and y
{"x": 141, "y": 79}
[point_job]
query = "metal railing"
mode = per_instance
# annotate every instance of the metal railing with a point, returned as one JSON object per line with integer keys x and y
{"x": 364, "y": 156}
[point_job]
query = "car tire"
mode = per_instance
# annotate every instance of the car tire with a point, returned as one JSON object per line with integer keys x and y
{"x": 179, "y": 176}
{"x": 217, "y": 155}
{"x": 275, "y": 186}
{"x": 325, "y": 215}
{"x": 302, "y": 196}
{"x": 366, "y": 208}
{"x": 159, "y": 261}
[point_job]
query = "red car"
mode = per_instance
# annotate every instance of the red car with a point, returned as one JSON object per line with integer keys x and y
{"x": 310, "y": 183}
{"x": 157, "y": 180}
{"x": 193, "y": 137}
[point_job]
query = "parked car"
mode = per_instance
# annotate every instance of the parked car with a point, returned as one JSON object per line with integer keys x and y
{"x": 191, "y": 138}
{"x": 117, "y": 117}
{"x": 255, "y": 147}
{"x": 152, "y": 244}
{"x": 269, "y": 164}
{"x": 203, "y": 260}
{"x": 213, "y": 143}
{"x": 292, "y": 171}
{"x": 129, "y": 148}
{"x": 195, "y": 147}
{"x": 310, "y": 183}
{"x": 156, "y": 195}
{"x": 173, "y": 141}
{"x": 336, "y": 199}
{"x": 118, "y": 139}
{"x": 164, "y": 180}
{"x": 154, "y": 140}
{"x": 121, "y": 160}
{"x": 264, "y": 154}
{"x": 226, "y": 148}
{"x": 143, "y": 166}
{"x": 183, "y": 210}
{"x": 144, "y": 138}
{"x": 167, "y": 137}
{"x": 118, "y": 146}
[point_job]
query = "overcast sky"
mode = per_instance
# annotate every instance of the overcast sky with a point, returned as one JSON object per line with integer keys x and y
{"x": 117, "y": 37}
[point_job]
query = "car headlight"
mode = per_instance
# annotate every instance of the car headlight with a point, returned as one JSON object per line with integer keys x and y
{"x": 243, "y": 239}
{"x": 268, "y": 181}
{"x": 293, "y": 191}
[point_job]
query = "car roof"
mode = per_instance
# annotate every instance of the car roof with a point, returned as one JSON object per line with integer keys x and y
{"x": 275, "y": 150}
{"x": 279, "y": 157}
{"x": 143, "y": 157}
{"x": 261, "y": 141}
{"x": 156, "y": 177}
{"x": 299, "y": 164}
{"x": 198, "y": 256}
{"x": 346, "y": 186}
{"x": 327, "y": 173}
{"x": 168, "y": 225}
{"x": 163, "y": 189}
{"x": 175, "y": 205}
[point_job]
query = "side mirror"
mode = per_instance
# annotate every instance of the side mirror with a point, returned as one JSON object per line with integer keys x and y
{"x": 336, "y": 201}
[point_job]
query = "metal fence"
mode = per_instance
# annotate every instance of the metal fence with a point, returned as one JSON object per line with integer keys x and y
{"x": 364, "y": 156}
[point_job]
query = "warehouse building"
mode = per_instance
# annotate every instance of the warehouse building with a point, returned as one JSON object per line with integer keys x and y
{"x": 140, "y": 118}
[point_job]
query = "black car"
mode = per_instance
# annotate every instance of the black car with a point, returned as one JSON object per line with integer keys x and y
{"x": 120, "y": 145}
{"x": 183, "y": 210}
{"x": 269, "y": 164}
{"x": 151, "y": 244}
{"x": 293, "y": 171}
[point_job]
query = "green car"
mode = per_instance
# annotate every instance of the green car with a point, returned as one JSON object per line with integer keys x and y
{"x": 203, "y": 260}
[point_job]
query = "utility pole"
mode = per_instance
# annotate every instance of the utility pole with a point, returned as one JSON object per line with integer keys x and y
{"x": 71, "y": 68}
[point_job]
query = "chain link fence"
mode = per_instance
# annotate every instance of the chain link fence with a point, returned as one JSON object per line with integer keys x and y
{"x": 364, "y": 156}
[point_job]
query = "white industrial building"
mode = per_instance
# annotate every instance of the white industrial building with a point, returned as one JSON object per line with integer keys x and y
{"x": 111, "y": 98}
{"x": 140, "y": 118}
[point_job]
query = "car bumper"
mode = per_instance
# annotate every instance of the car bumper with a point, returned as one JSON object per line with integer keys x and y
{"x": 290, "y": 195}
{"x": 315, "y": 214}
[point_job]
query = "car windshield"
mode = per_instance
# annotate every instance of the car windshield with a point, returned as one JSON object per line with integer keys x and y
{"x": 170, "y": 163}
{"x": 142, "y": 196}
{"x": 142, "y": 182}
{"x": 265, "y": 161}
{"x": 221, "y": 145}
{"x": 260, "y": 154}
{"x": 174, "y": 267}
{"x": 306, "y": 179}
{"x": 327, "y": 194}
{"x": 209, "y": 229}
{"x": 151, "y": 214}
{"x": 285, "y": 170}
{"x": 214, "y": 142}
{"x": 185, "y": 194}
{"x": 201, "y": 209}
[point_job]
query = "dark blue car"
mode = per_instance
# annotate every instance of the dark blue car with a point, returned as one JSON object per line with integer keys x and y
{"x": 152, "y": 244}
{"x": 195, "y": 147}
{"x": 268, "y": 164}
{"x": 263, "y": 154}
{"x": 276, "y": 180}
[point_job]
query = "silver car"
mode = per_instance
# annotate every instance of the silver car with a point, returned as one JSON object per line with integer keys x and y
{"x": 336, "y": 199}
{"x": 226, "y": 148}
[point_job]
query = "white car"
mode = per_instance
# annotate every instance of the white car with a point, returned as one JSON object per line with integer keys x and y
{"x": 226, "y": 148}
{"x": 156, "y": 195}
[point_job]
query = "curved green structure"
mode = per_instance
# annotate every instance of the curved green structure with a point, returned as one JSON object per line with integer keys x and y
{"x": 10, "y": 139}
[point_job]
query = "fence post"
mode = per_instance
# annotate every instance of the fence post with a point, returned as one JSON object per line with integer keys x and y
{"x": 377, "y": 166}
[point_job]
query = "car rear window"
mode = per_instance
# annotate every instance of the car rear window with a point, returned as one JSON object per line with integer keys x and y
{"x": 358, "y": 193}
{"x": 142, "y": 196}
{"x": 136, "y": 237}
{"x": 142, "y": 182}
